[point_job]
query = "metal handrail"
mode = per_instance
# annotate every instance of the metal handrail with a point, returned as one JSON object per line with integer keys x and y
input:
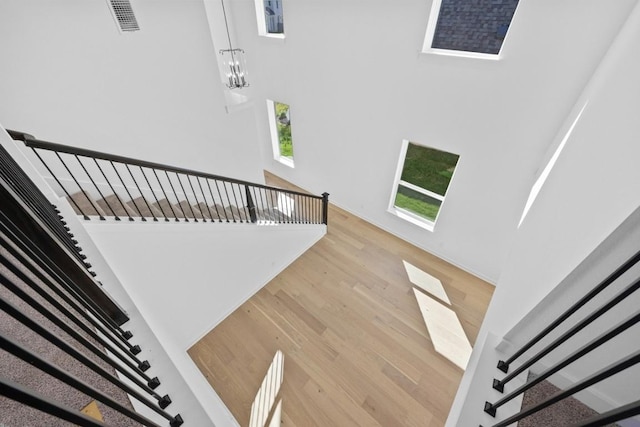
{"x": 233, "y": 200}
{"x": 32, "y": 142}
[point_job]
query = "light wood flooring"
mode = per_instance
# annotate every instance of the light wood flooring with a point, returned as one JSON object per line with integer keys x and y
{"x": 356, "y": 348}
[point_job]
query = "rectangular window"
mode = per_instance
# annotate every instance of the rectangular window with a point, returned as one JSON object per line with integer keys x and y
{"x": 280, "y": 122}
{"x": 423, "y": 177}
{"x": 270, "y": 18}
{"x": 465, "y": 28}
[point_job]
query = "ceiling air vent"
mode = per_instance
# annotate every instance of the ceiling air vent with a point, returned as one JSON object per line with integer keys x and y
{"x": 124, "y": 15}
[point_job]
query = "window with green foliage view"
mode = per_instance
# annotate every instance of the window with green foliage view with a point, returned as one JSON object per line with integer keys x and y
{"x": 426, "y": 174}
{"x": 283, "y": 124}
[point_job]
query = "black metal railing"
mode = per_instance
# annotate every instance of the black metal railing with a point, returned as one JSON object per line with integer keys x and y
{"x": 53, "y": 328}
{"x": 50, "y": 235}
{"x": 555, "y": 338}
{"x": 105, "y": 185}
{"x": 20, "y": 183}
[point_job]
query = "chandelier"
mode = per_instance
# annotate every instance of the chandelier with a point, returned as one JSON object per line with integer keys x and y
{"x": 235, "y": 65}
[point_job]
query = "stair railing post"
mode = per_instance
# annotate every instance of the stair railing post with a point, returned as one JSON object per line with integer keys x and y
{"x": 251, "y": 206}
{"x": 325, "y": 208}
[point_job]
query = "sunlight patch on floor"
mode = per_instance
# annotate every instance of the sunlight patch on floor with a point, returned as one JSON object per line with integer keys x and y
{"x": 443, "y": 325}
{"x": 426, "y": 282}
{"x": 445, "y": 330}
{"x": 265, "y": 398}
{"x": 276, "y": 419}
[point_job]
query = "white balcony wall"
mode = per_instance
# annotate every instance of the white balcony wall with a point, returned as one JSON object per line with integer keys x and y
{"x": 184, "y": 278}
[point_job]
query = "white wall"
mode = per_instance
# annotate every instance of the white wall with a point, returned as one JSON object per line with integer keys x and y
{"x": 184, "y": 278}
{"x": 593, "y": 188}
{"x": 586, "y": 219}
{"x": 69, "y": 76}
{"x": 357, "y": 86}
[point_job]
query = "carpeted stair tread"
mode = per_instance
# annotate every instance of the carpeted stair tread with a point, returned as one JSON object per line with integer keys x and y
{"x": 204, "y": 210}
{"x": 171, "y": 211}
{"x": 85, "y": 206}
{"x": 564, "y": 413}
{"x": 190, "y": 211}
{"x": 146, "y": 209}
{"x": 111, "y": 205}
{"x": 216, "y": 212}
{"x": 225, "y": 213}
{"x": 182, "y": 210}
{"x": 13, "y": 413}
{"x": 240, "y": 214}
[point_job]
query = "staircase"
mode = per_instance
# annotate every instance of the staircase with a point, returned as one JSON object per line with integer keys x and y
{"x": 96, "y": 376}
{"x": 65, "y": 357}
{"x": 142, "y": 209}
{"x": 101, "y": 185}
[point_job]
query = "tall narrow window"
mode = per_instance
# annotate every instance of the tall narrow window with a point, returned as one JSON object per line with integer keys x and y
{"x": 280, "y": 119}
{"x": 469, "y": 28}
{"x": 273, "y": 16}
{"x": 270, "y": 18}
{"x": 423, "y": 177}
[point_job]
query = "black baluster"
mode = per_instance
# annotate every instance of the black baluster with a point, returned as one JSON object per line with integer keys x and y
{"x": 226, "y": 192}
{"x": 141, "y": 195}
{"x": 235, "y": 204}
{"x": 213, "y": 200}
{"x": 325, "y": 208}
{"x": 40, "y": 258}
{"x": 205, "y": 198}
{"x": 33, "y": 359}
{"x": 84, "y": 215}
{"x": 128, "y": 193}
{"x": 79, "y": 356}
{"x": 186, "y": 201}
{"x": 221, "y": 201}
{"x": 601, "y": 375}
{"x": 177, "y": 198}
{"x": 35, "y": 400}
{"x": 153, "y": 193}
{"x": 571, "y": 332}
{"x": 165, "y": 196}
{"x": 195, "y": 195}
{"x": 39, "y": 290}
{"x": 265, "y": 209}
{"x": 112, "y": 189}
{"x": 95, "y": 185}
{"x": 251, "y": 205}
{"x": 82, "y": 340}
{"x": 504, "y": 365}
{"x": 584, "y": 350}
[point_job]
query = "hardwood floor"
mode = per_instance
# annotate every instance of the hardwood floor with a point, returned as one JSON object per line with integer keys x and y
{"x": 356, "y": 348}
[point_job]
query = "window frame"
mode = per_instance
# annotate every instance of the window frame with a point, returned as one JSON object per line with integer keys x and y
{"x": 275, "y": 137}
{"x": 405, "y": 214}
{"x": 432, "y": 23}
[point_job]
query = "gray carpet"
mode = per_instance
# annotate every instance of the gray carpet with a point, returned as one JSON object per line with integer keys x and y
{"x": 13, "y": 414}
{"x": 565, "y": 413}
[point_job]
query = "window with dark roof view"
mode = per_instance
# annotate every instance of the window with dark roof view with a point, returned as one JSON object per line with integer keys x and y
{"x": 473, "y": 25}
